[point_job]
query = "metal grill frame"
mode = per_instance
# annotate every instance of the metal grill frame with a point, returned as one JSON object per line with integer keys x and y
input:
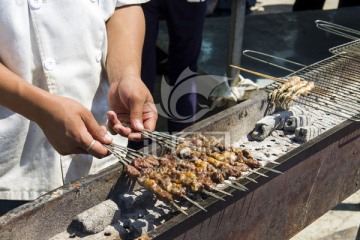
{"x": 339, "y": 77}
{"x": 350, "y": 47}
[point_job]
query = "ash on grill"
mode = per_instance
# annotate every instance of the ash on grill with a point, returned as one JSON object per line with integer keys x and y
{"x": 286, "y": 130}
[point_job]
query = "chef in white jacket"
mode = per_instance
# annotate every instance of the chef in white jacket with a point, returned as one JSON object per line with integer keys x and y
{"x": 66, "y": 68}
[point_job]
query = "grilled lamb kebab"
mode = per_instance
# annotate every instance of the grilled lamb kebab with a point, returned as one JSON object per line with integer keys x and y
{"x": 161, "y": 185}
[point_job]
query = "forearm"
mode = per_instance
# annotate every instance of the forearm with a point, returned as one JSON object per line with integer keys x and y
{"x": 125, "y": 29}
{"x": 129, "y": 99}
{"x": 20, "y": 96}
{"x": 68, "y": 126}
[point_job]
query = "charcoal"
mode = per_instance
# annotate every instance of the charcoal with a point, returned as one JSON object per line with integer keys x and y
{"x": 95, "y": 219}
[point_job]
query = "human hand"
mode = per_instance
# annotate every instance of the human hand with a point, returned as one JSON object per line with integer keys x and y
{"x": 132, "y": 108}
{"x": 71, "y": 128}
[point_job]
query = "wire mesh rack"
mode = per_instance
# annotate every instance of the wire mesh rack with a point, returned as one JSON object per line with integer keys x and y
{"x": 338, "y": 79}
{"x": 352, "y": 47}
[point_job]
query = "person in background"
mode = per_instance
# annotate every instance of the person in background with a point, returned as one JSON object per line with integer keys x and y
{"x": 301, "y": 5}
{"x": 66, "y": 69}
{"x": 185, "y": 21}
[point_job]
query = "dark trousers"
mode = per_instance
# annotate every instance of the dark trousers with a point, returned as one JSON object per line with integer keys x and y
{"x": 185, "y": 21}
{"x": 349, "y": 3}
{"x": 301, "y": 5}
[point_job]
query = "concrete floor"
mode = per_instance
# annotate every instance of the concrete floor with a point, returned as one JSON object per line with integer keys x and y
{"x": 342, "y": 222}
{"x": 272, "y": 28}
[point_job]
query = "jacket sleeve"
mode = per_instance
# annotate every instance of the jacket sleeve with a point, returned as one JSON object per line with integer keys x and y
{"x": 107, "y": 7}
{"x": 120, "y": 3}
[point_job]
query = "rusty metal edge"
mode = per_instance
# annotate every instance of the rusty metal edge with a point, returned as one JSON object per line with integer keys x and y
{"x": 31, "y": 220}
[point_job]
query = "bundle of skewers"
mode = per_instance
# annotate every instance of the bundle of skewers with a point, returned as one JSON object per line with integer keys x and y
{"x": 196, "y": 165}
{"x": 289, "y": 91}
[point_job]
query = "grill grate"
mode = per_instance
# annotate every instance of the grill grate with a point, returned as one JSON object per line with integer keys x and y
{"x": 352, "y": 47}
{"x": 339, "y": 79}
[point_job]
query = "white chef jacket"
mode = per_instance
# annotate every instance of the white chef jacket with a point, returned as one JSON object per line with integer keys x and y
{"x": 59, "y": 46}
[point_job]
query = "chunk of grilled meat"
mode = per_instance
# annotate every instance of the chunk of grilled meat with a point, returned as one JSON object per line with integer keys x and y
{"x": 132, "y": 172}
{"x": 151, "y": 185}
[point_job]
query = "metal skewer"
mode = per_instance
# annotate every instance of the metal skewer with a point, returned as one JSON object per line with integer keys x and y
{"x": 234, "y": 186}
{"x": 212, "y": 195}
{"x": 166, "y": 142}
{"x": 249, "y": 178}
{"x": 195, "y": 203}
{"x": 271, "y": 170}
{"x": 273, "y": 162}
{"x": 122, "y": 159}
{"x": 259, "y": 173}
{"x": 161, "y": 136}
{"x": 317, "y": 90}
{"x": 238, "y": 184}
{"x": 179, "y": 208}
{"x": 221, "y": 191}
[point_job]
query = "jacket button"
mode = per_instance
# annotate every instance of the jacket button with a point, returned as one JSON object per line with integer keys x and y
{"x": 35, "y": 4}
{"x": 98, "y": 57}
{"x": 49, "y": 64}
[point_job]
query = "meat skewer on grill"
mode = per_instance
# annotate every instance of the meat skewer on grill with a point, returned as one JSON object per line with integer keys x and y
{"x": 304, "y": 90}
{"x": 216, "y": 175}
{"x": 167, "y": 167}
{"x": 273, "y": 96}
{"x": 160, "y": 184}
{"x": 175, "y": 189}
{"x": 208, "y": 163}
{"x": 133, "y": 172}
{"x": 197, "y": 141}
{"x": 186, "y": 175}
{"x": 198, "y": 145}
{"x": 151, "y": 185}
{"x": 208, "y": 174}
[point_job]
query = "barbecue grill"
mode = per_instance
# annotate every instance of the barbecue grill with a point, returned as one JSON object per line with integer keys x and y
{"x": 317, "y": 175}
{"x": 338, "y": 77}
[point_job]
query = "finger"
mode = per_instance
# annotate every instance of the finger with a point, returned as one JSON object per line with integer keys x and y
{"x": 136, "y": 111}
{"x": 151, "y": 119}
{"x": 123, "y": 131}
{"x": 93, "y": 147}
{"x": 97, "y": 132}
{"x": 103, "y": 135}
{"x": 112, "y": 121}
{"x": 98, "y": 150}
{"x": 150, "y": 124}
{"x": 116, "y": 126}
{"x": 135, "y": 137}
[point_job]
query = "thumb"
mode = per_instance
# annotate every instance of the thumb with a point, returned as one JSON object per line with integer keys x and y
{"x": 98, "y": 132}
{"x": 102, "y": 135}
{"x": 136, "y": 112}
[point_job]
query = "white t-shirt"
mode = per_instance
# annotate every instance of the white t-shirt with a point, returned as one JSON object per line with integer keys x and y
{"x": 59, "y": 46}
